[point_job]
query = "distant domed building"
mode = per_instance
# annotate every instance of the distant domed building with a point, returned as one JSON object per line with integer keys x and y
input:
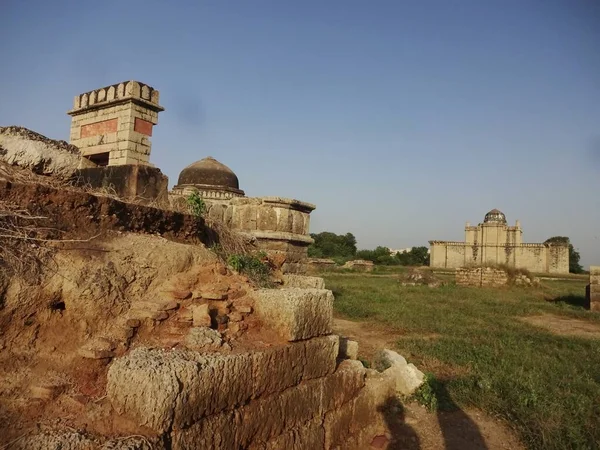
{"x": 493, "y": 242}
{"x": 212, "y": 179}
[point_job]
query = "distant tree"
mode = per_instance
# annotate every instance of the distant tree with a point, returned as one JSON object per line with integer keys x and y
{"x": 331, "y": 245}
{"x": 381, "y": 255}
{"x": 417, "y": 256}
{"x": 574, "y": 256}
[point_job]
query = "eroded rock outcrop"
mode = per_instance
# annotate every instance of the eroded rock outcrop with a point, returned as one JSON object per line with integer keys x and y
{"x": 30, "y": 150}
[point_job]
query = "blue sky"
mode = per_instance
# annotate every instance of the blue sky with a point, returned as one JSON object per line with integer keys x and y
{"x": 400, "y": 120}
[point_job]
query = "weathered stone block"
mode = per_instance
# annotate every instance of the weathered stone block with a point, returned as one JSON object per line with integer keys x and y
{"x": 348, "y": 349}
{"x": 296, "y": 313}
{"x": 306, "y": 437}
{"x": 321, "y": 355}
{"x": 160, "y": 389}
{"x": 215, "y": 433}
{"x": 278, "y": 368}
{"x": 343, "y": 385}
{"x": 379, "y": 387}
{"x": 268, "y": 417}
{"x": 337, "y": 425}
{"x": 303, "y": 281}
{"x": 200, "y": 315}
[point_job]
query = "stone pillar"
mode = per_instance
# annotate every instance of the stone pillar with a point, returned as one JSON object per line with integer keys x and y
{"x": 112, "y": 125}
{"x": 594, "y": 288}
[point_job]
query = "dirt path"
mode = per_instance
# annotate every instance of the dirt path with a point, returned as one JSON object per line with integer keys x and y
{"x": 413, "y": 428}
{"x": 564, "y": 326}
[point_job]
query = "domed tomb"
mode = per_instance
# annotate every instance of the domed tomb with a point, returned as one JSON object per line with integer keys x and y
{"x": 495, "y": 216}
{"x": 212, "y": 179}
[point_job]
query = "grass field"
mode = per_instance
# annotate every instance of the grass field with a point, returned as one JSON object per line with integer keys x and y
{"x": 547, "y": 386}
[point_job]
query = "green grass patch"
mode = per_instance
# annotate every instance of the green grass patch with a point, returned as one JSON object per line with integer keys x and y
{"x": 547, "y": 386}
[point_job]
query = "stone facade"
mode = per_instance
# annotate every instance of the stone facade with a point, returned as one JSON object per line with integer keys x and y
{"x": 113, "y": 125}
{"x": 493, "y": 242}
{"x": 593, "y": 289}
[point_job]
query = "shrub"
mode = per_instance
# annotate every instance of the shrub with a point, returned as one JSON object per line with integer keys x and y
{"x": 196, "y": 204}
{"x": 255, "y": 267}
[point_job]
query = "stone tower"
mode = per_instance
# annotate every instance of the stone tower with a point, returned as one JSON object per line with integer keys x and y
{"x": 112, "y": 125}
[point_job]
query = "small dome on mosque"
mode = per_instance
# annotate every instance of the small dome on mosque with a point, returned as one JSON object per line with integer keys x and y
{"x": 495, "y": 216}
{"x": 209, "y": 172}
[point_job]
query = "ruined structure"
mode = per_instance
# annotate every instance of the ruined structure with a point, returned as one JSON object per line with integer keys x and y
{"x": 593, "y": 289}
{"x": 493, "y": 242}
{"x": 360, "y": 265}
{"x": 112, "y": 126}
{"x": 280, "y": 226}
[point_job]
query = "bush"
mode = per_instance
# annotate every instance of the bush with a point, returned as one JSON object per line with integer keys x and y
{"x": 255, "y": 267}
{"x": 196, "y": 204}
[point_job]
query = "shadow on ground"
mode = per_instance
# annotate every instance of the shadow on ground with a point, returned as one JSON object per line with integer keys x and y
{"x": 460, "y": 432}
{"x": 579, "y": 301}
{"x": 403, "y": 436}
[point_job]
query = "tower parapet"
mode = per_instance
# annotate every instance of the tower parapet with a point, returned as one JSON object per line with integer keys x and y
{"x": 113, "y": 125}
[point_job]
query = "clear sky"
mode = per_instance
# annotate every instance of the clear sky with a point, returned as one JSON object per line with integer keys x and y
{"x": 400, "y": 120}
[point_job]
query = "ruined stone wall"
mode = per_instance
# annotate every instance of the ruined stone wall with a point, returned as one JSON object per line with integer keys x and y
{"x": 294, "y": 395}
{"x": 141, "y": 183}
{"x": 594, "y": 288}
{"x": 481, "y": 276}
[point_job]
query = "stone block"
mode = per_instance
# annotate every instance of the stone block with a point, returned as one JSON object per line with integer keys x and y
{"x": 266, "y": 219}
{"x": 337, "y": 425}
{"x": 268, "y": 417}
{"x": 303, "y": 281}
{"x": 379, "y": 387}
{"x": 278, "y": 368}
{"x": 162, "y": 389}
{"x": 219, "y": 382}
{"x": 348, "y": 349}
{"x": 308, "y": 436}
{"x": 343, "y": 385}
{"x": 296, "y": 314}
{"x": 215, "y": 432}
{"x": 321, "y": 356}
{"x": 201, "y": 315}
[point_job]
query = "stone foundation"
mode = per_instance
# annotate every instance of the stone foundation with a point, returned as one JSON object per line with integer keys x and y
{"x": 295, "y": 395}
{"x": 144, "y": 184}
{"x": 320, "y": 264}
{"x": 481, "y": 276}
{"x": 360, "y": 265}
{"x": 593, "y": 290}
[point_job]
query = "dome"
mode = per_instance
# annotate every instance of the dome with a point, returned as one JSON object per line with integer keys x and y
{"x": 209, "y": 172}
{"x": 495, "y": 216}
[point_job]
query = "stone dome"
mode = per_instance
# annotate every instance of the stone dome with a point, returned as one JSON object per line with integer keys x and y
{"x": 209, "y": 172}
{"x": 495, "y": 216}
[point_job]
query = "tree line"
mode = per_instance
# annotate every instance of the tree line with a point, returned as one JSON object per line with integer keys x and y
{"x": 342, "y": 248}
